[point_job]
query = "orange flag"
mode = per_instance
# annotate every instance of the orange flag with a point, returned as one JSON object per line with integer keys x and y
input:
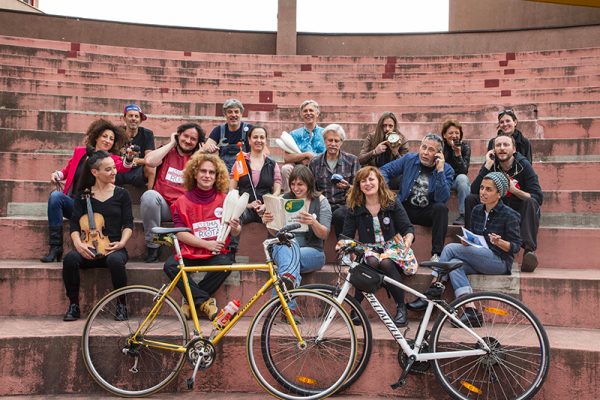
{"x": 240, "y": 168}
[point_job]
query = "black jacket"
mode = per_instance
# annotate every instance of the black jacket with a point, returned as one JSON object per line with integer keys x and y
{"x": 523, "y": 145}
{"x": 523, "y": 172}
{"x": 265, "y": 181}
{"x": 393, "y": 220}
{"x": 459, "y": 164}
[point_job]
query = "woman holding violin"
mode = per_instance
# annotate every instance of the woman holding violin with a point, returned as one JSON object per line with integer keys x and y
{"x": 101, "y": 225}
{"x": 101, "y": 135}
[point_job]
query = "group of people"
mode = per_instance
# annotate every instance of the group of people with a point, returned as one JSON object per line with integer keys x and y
{"x": 376, "y": 197}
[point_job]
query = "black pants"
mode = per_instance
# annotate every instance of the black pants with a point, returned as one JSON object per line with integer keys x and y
{"x": 434, "y": 215}
{"x": 73, "y": 262}
{"x": 529, "y": 210}
{"x": 212, "y": 281}
{"x": 337, "y": 218}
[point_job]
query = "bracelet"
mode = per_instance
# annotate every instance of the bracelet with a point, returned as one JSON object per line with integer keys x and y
{"x": 127, "y": 164}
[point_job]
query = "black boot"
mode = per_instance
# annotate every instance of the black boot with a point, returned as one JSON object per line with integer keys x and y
{"x": 152, "y": 255}
{"x": 55, "y": 240}
{"x": 401, "y": 318}
{"x": 434, "y": 293}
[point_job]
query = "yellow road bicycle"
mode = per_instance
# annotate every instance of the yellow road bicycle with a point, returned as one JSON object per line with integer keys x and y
{"x": 307, "y": 354}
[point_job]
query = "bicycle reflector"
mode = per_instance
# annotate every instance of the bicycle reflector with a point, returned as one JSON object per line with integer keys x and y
{"x": 306, "y": 380}
{"x": 471, "y": 388}
{"x": 497, "y": 311}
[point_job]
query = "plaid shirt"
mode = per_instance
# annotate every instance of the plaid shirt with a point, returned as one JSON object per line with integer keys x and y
{"x": 347, "y": 166}
{"x": 503, "y": 221}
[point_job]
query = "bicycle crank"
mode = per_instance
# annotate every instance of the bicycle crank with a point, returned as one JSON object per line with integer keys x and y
{"x": 200, "y": 354}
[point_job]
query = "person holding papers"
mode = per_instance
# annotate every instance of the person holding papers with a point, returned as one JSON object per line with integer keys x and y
{"x": 498, "y": 224}
{"x": 306, "y": 253}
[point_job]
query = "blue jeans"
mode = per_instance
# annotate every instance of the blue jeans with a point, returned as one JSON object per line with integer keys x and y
{"x": 463, "y": 188}
{"x": 475, "y": 261}
{"x": 59, "y": 205}
{"x": 296, "y": 260}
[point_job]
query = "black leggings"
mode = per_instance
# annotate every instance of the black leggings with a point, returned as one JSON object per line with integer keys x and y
{"x": 73, "y": 262}
{"x": 390, "y": 269}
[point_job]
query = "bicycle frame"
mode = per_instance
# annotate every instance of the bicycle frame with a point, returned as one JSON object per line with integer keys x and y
{"x": 399, "y": 337}
{"x": 183, "y": 275}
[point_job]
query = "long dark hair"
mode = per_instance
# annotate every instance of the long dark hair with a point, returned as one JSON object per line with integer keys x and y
{"x": 98, "y": 127}
{"x": 303, "y": 173}
{"x": 87, "y": 180}
{"x": 379, "y": 134}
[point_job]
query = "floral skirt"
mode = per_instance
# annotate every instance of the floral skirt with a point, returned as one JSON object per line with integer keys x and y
{"x": 396, "y": 251}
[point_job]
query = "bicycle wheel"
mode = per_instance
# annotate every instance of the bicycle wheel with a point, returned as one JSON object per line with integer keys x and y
{"x": 124, "y": 368}
{"x": 364, "y": 336}
{"x": 290, "y": 372}
{"x": 518, "y": 362}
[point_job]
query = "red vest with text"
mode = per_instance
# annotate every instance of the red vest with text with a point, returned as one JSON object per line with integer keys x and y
{"x": 204, "y": 220}
{"x": 169, "y": 180}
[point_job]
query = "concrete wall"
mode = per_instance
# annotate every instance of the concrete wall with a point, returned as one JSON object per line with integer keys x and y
{"x": 516, "y": 14}
{"x": 69, "y": 29}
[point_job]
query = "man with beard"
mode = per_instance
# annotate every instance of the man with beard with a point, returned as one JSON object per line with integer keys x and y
{"x": 224, "y": 138}
{"x": 524, "y": 193}
{"x": 170, "y": 160}
{"x": 334, "y": 173}
{"x": 425, "y": 181}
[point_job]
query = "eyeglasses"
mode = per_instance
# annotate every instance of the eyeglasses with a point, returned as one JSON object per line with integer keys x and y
{"x": 508, "y": 111}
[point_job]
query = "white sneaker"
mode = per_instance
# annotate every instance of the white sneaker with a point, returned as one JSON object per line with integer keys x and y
{"x": 435, "y": 258}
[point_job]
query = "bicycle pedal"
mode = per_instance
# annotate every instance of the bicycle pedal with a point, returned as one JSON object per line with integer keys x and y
{"x": 189, "y": 382}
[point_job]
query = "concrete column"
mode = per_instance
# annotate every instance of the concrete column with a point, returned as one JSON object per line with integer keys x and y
{"x": 286, "y": 27}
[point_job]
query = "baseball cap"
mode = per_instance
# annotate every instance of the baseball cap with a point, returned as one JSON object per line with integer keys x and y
{"x": 134, "y": 107}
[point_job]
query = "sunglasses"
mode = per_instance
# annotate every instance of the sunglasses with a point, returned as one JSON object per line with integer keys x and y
{"x": 507, "y": 111}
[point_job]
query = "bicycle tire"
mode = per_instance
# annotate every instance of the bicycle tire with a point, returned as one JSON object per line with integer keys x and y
{"x": 364, "y": 334}
{"x": 288, "y": 372}
{"x": 110, "y": 359}
{"x": 517, "y": 366}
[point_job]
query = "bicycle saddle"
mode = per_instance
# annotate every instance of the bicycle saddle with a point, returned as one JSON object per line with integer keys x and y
{"x": 163, "y": 231}
{"x": 445, "y": 266}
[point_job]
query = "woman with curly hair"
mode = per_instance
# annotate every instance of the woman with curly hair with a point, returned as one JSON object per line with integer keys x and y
{"x": 383, "y": 225}
{"x": 200, "y": 208}
{"x": 101, "y": 135}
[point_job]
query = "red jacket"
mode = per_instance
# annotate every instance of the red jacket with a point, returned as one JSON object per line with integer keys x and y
{"x": 69, "y": 171}
{"x": 204, "y": 220}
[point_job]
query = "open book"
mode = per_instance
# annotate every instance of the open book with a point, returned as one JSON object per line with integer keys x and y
{"x": 285, "y": 211}
{"x": 473, "y": 239}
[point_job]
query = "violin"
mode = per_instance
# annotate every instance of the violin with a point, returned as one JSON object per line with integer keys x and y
{"x": 91, "y": 226}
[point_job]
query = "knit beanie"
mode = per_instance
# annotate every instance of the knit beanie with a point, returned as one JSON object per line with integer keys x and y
{"x": 500, "y": 180}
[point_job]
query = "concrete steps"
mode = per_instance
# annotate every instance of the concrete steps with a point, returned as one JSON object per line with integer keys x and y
{"x": 163, "y": 125}
{"x": 31, "y": 235}
{"x": 47, "y": 339}
{"x": 556, "y": 301}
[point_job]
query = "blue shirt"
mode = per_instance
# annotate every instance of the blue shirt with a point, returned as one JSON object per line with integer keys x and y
{"x": 408, "y": 167}
{"x": 309, "y": 143}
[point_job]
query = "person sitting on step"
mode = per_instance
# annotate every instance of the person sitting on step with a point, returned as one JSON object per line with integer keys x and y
{"x": 524, "y": 193}
{"x": 224, "y": 138}
{"x": 386, "y": 144}
{"x": 101, "y": 135}
{"x": 425, "y": 181}
{"x": 200, "y": 208}
{"x": 334, "y": 172}
{"x": 309, "y": 139}
{"x": 142, "y": 138}
{"x": 381, "y": 222}
{"x": 499, "y": 226}
{"x": 306, "y": 253}
{"x": 170, "y": 161}
{"x": 507, "y": 126}
{"x": 457, "y": 153}
{"x": 114, "y": 205}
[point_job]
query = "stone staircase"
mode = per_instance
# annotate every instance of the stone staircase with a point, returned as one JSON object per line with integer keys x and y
{"x": 50, "y": 91}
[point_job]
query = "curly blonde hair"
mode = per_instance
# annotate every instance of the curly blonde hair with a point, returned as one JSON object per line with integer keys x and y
{"x": 193, "y": 165}
{"x": 356, "y": 197}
